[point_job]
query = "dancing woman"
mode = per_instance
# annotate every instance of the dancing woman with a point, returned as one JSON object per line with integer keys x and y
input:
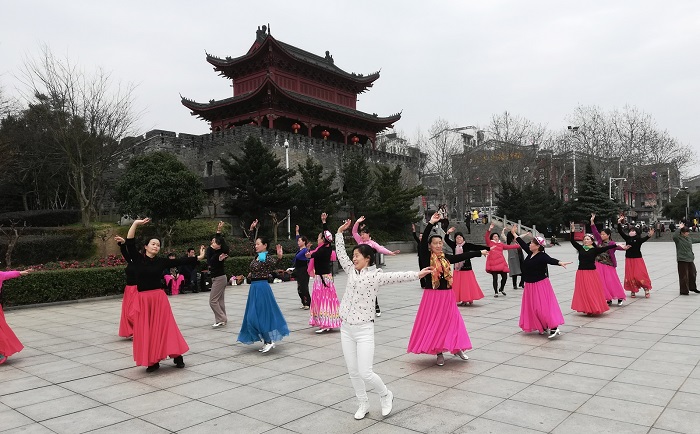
{"x": 606, "y": 264}
{"x": 357, "y": 329}
{"x": 217, "y": 252}
{"x": 636, "y": 275}
{"x": 156, "y": 335}
{"x": 439, "y": 326}
{"x": 324, "y": 299}
{"x": 126, "y": 321}
{"x": 364, "y": 237}
{"x": 9, "y": 344}
{"x": 589, "y": 296}
{"x": 539, "y": 309}
{"x": 465, "y": 286}
{"x": 495, "y": 263}
{"x": 263, "y": 319}
{"x": 301, "y": 273}
{"x": 515, "y": 262}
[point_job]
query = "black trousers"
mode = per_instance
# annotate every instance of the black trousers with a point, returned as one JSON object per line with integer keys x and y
{"x": 687, "y": 275}
{"x": 302, "y": 277}
{"x": 504, "y": 276}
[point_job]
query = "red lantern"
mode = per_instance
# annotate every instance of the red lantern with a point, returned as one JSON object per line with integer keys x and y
{"x": 355, "y": 139}
{"x": 295, "y": 127}
{"x": 325, "y": 134}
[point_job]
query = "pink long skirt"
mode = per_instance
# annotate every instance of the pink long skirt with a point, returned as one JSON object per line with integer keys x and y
{"x": 9, "y": 344}
{"x": 156, "y": 335}
{"x": 611, "y": 282}
{"x": 126, "y": 322}
{"x": 589, "y": 296}
{"x": 540, "y": 309}
{"x": 324, "y": 303}
{"x": 465, "y": 286}
{"x": 439, "y": 326}
{"x": 636, "y": 275}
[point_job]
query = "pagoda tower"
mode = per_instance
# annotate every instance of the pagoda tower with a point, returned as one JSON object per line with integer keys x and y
{"x": 282, "y": 87}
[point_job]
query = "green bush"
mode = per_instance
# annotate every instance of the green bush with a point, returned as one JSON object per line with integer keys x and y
{"x": 44, "y": 217}
{"x": 50, "y": 246}
{"x": 62, "y": 285}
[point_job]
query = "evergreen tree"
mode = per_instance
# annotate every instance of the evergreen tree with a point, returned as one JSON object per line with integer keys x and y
{"x": 592, "y": 197}
{"x": 509, "y": 201}
{"x": 159, "y": 186}
{"x": 314, "y": 194}
{"x": 393, "y": 208}
{"x": 676, "y": 208}
{"x": 532, "y": 205}
{"x": 358, "y": 188}
{"x": 258, "y": 184}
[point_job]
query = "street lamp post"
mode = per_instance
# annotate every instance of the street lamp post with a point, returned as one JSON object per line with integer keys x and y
{"x": 286, "y": 154}
{"x": 687, "y": 203}
{"x": 610, "y": 186}
{"x": 573, "y": 130}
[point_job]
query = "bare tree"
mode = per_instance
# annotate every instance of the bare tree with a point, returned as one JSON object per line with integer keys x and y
{"x": 440, "y": 147}
{"x": 96, "y": 115}
{"x": 515, "y": 141}
{"x": 12, "y": 235}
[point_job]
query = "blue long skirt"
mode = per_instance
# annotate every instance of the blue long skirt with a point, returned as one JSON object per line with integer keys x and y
{"x": 263, "y": 319}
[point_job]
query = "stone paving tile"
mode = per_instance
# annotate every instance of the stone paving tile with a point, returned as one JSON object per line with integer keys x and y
{"x": 639, "y": 360}
{"x": 584, "y": 424}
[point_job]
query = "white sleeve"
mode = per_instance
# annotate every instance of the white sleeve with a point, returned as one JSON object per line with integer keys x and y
{"x": 396, "y": 277}
{"x": 342, "y": 255}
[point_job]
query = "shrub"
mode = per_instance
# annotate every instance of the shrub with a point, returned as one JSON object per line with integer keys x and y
{"x": 66, "y": 244}
{"x": 61, "y": 285}
{"x": 44, "y": 217}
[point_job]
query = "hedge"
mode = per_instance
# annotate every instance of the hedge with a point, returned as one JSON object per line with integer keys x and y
{"x": 43, "y": 217}
{"x": 63, "y": 245}
{"x": 75, "y": 284}
{"x": 62, "y": 285}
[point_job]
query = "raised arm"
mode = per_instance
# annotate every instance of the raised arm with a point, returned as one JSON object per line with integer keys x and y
{"x": 466, "y": 255}
{"x": 602, "y": 249}
{"x": 450, "y": 242}
{"x": 594, "y": 231}
{"x": 122, "y": 247}
{"x": 622, "y": 233}
{"x": 340, "y": 252}
{"x": 523, "y": 245}
{"x": 355, "y": 227}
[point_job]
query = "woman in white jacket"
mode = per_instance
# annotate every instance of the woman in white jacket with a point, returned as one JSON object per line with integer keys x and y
{"x": 357, "y": 315}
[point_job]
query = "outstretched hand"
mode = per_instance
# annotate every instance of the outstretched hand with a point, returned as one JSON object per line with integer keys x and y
{"x": 279, "y": 250}
{"x": 25, "y": 272}
{"x": 425, "y": 271}
{"x": 651, "y": 231}
{"x": 592, "y": 217}
{"x": 484, "y": 253}
{"x": 139, "y": 222}
{"x": 219, "y": 227}
{"x": 119, "y": 239}
{"x": 222, "y": 257}
{"x": 254, "y": 224}
{"x": 345, "y": 226}
{"x": 450, "y": 230}
{"x": 324, "y": 216}
{"x": 395, "y": 252}
{"x": 564, "y": 264}
{"x": 435, "y": 218}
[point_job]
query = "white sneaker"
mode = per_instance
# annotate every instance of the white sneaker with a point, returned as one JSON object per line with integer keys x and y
{"x": 554, "y": 333}
{"x": 461, "y": 355}
{"x": 378, "y": 314}
{"x": 387, "y": 401}
{"x": 362, "y": 410}
{"x": 218, "y": 324}
{"x": 267, "y": 347}
{"x": 322, "y": 330}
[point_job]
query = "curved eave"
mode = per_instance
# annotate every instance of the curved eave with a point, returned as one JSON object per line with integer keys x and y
{"x": 297, "y": 54}
{"x": 201, "y": 109}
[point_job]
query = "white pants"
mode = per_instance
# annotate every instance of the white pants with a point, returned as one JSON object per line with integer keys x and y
{"x": 358, "y": 349}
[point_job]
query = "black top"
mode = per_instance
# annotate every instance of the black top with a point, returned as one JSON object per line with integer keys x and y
{"x": 535, "y": 266}
{"x": 149, "y": 271}
{"x": 216, "y": 267}
{"x": 262, "y": 270}
{"x": 467, "y": 247}
{"x": 322, "y": 258}
{"x": 636, "y": 243}
{"x": 415, "y": 237}
{"x": 586, "y": 258}
{"x": 130, "y": 269}
{"x": 424, "y": 260}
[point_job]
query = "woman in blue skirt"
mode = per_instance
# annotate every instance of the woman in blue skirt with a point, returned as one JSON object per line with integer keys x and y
{"x": 263, "y": 319}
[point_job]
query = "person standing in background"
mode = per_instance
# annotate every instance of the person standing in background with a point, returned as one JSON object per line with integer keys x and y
{"x": 687, "y": 273}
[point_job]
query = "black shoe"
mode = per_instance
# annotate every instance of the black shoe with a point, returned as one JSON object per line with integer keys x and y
{"x": 153, "y": 367}
{"x": 609, "y": 302}
{"x": 179, "y": 362}
{"x": 502, "y": 292}
{"x": 695, "y": 291}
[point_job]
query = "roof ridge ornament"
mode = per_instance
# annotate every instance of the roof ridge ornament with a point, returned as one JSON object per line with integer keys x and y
{"x": 261, "y": 33}
{"x": 329, "y": 58}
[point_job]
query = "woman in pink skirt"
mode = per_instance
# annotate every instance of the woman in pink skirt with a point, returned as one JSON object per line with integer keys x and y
{"x": 589, "y": 297}
{"x": 9, "y": 344}
{"x": 606, "y": 265}
{"x": 324, "y": 298}
{"x": 439, "y": 326}
{"x": 495, "y": 263}
{"x": 540, "y": 309}
{"x": 636, "y": 274}
{"x": 126, "y": 322}
{"x": 464, "y": 284}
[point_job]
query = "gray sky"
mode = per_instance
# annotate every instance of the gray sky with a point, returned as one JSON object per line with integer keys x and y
{"x": 458, "y": 60}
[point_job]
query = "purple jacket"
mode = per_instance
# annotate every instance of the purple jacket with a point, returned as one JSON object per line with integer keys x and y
{"x": 599, "y": 240}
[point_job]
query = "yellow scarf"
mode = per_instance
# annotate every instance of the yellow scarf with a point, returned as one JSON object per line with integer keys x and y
{"x": 442, "y": 268}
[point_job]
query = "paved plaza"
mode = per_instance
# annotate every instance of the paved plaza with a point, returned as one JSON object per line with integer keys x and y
{"x": 631, "y": 370}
